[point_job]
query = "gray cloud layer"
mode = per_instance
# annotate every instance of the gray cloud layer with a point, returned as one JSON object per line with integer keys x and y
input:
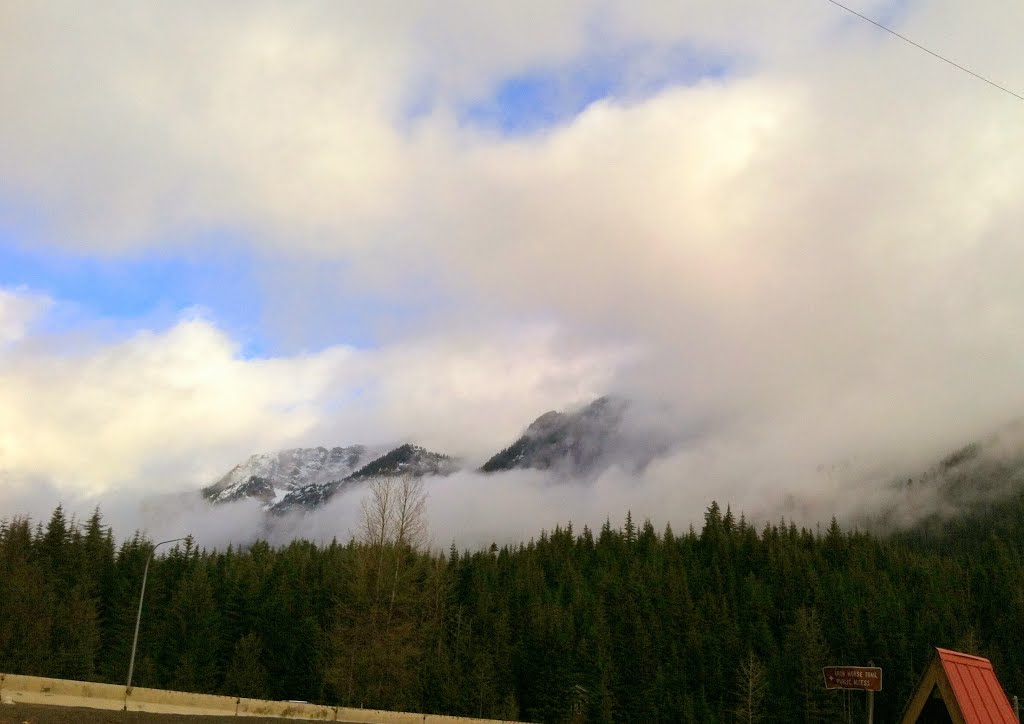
{"x": 813, "y": 258}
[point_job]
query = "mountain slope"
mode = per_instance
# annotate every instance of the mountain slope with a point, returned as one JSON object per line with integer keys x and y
{"x": 967, "y": 482}
{"x": 407, "y": 460}
{"x": 575, "y": 443}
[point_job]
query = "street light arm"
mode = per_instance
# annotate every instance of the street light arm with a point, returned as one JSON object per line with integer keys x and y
{"x": 138, "y": 617}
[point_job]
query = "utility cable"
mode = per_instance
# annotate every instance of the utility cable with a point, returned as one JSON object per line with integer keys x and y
{"x": 930, "y": 52}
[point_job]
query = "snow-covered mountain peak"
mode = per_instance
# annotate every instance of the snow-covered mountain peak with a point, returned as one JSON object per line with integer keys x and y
{"x": 304, "y": 478}
{"x": 270, "y": 476}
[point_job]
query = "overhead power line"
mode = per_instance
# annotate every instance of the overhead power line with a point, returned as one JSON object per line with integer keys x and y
{"x": 944, "y": 59}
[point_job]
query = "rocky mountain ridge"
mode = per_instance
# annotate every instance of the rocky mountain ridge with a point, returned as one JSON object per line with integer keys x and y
{"x": 581, "y": 444}
{"x": 577, "y": 442}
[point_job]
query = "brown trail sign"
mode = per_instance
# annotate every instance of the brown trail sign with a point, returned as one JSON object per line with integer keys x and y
{"x": 862, "y": 678}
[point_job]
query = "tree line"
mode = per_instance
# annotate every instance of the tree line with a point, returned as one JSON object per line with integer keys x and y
{"x": 731, "y": 623}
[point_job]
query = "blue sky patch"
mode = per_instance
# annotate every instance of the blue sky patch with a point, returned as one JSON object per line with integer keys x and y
{"x": 152, "y": 288}
{"x": 271, "y": 305}
{"x": 542, "y": 98}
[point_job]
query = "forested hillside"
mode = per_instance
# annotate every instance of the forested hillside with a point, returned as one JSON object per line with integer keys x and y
{"x": 728, "y": 623}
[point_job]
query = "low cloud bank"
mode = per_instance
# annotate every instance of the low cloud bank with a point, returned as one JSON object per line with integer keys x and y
{"x": 764, "y": 480}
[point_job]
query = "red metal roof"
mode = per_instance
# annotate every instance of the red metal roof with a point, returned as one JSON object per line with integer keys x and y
{"x": 977, "y": 690}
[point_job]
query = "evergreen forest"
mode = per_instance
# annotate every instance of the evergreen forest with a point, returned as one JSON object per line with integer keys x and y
{"x": 729, "y": 623}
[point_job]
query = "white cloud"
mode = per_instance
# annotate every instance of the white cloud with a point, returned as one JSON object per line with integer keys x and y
{"x": 18, "y": 310}
{"x": 175, "y": 408}
{"x": 466, "y": 394}
{"x": 130, "y": 124}
{"x": 149, "y": 406}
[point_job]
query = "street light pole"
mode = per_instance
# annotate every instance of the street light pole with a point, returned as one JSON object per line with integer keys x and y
{"x": 138, "y": 618}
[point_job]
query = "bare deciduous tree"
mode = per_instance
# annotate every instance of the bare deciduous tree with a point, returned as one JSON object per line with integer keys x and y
{"x": 410, "y": 520}
{"x": 394, "y": 513}
{"x": 751, "y": 690}
{"x": 392, "y": 528}
{"x": 377, "y": 511}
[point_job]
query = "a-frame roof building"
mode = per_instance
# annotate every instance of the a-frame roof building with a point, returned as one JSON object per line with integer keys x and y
{"x": 959, "y": 688}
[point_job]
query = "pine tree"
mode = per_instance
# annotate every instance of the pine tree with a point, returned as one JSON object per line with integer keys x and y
{"x": 806, "y": 653}
{"x": 246, "y": 675}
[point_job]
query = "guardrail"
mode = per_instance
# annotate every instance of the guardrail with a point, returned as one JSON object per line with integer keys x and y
{"x": 17, "y": 689}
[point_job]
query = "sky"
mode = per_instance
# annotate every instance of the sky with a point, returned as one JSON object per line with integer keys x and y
{"x": 239, "y": 227}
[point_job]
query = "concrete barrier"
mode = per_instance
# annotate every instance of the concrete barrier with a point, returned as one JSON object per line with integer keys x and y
{"x": 286, "y": 710}
{"x": 445, "y": 719}
{"x": 376, "y": 716}
{"x": 159, "y": 701}
{"x": 60, "y": 692}
{"x": 15, "y": 689}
